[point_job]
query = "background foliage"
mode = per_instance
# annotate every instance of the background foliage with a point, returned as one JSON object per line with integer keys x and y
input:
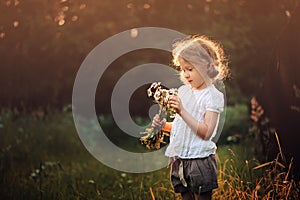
{"x": 42, "y": 43}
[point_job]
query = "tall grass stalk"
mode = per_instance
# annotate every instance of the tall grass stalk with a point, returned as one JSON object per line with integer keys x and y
{"x": 270, "y": 180}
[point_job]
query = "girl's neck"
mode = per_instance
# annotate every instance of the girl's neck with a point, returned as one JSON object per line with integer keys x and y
{"x": 200, "y": 87}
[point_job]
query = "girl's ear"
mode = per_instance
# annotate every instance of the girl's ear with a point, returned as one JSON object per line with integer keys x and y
{"x": 212, "y": 72}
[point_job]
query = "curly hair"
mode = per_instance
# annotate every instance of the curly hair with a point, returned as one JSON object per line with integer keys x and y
{"x": 208, "y": 51}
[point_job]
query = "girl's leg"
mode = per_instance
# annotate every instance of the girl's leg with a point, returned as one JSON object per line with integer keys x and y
{"x": 203, "y": 196}
{"x": 187, "y": 196}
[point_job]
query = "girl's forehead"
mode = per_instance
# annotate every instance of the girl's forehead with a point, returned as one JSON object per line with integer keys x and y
{"x": 184, "y": 63}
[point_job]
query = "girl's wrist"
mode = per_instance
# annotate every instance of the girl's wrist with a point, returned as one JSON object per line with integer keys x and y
{"x": 182, "y": 111}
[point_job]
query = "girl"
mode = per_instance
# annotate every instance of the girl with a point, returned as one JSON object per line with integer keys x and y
{"x": 198, "y": 105}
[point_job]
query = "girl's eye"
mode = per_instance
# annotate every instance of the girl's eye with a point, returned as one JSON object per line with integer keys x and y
{"x": 186, "y": 69}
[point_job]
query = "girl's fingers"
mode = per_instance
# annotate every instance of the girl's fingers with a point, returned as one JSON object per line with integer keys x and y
{"x": 174, "y": 99}
{"x": 175, "y": 103}
{"x": 157, "y": 122}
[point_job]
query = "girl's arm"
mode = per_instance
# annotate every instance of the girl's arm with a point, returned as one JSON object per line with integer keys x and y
{"x": 203, "y": 129}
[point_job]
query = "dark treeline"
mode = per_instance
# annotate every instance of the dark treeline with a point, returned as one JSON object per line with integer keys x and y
{"x": 43, "y": 43}
{"x": 280, "y": 91}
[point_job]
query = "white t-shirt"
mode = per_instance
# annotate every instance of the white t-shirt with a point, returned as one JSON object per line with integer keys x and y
{"x": 184, "y": 143}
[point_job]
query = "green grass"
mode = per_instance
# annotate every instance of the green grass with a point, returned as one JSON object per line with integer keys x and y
{"x": 43, "y": 158}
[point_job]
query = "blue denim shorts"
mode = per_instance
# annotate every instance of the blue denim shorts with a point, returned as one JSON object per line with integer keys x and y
{"x": 197, "y": 175}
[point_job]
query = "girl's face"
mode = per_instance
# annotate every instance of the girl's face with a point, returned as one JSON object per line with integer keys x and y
{"x": 191, "y": 75}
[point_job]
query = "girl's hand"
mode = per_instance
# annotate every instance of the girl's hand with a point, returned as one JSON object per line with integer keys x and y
{"x": 176, "y": 104}
{"x": 157, "y": 123}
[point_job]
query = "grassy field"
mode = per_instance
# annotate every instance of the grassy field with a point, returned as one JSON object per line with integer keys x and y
{"x": 42, "y": 157}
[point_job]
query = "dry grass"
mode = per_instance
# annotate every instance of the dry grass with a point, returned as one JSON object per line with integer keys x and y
{"x": 270, "y": 180}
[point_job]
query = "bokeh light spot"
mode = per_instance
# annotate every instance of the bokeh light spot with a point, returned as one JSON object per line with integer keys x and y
{"x": 2, "y": 35}
{"x": 65, "y": 8}
{"x": 288, "y": 13}
{"x": 147, "y": 6}
{"x": 190, "y": 6}
{"x": 16, "y": 23}
{"x": 130, "y": 5}
{"x": 8, "y": 3}
{"x": 74, "y": 18}
{"x": 82, "y": 6}
{"x": 61, "y": 22}
{"x": 16, "y": 2}
{"x": 134, "y": 33}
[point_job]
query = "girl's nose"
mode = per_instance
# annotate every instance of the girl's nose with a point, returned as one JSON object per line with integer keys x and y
{"x": 186, "y": 74}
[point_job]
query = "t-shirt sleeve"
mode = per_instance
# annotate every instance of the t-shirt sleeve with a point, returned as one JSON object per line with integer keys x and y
{"x": 215, "y": 101}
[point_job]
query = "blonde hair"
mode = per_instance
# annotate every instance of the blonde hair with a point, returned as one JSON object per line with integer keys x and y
{"x": 208, "y": 52}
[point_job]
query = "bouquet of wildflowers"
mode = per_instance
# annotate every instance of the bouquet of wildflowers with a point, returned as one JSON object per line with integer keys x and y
{"x": 155, "y": 136}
